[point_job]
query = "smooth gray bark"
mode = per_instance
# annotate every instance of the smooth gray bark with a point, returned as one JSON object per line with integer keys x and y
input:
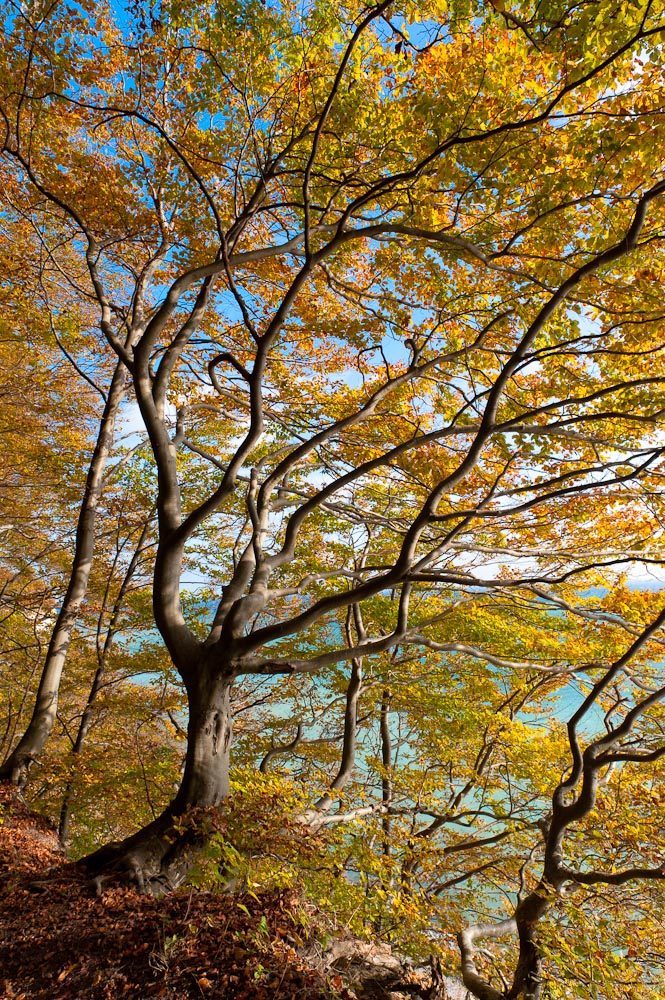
{"x": 158, "y": 856}
{"x": 31, "y": 744}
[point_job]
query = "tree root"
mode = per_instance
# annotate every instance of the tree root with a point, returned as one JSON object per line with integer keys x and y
{"x": 156, "y": 859}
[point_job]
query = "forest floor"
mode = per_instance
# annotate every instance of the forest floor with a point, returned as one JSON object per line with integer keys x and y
{"x": 61, "y": 941}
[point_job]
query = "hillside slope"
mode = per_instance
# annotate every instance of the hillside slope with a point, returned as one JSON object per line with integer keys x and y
{"x": 61, "y": 941}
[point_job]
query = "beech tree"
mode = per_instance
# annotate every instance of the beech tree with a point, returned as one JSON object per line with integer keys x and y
{"x": 39, "y": 484}
{"x": 386, "y": 281}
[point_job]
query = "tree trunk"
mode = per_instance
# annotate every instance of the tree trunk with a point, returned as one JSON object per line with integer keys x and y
{"x": 31, "y": 744}
{"x": 205, "y": 781}
{"x": 159, "y": 855}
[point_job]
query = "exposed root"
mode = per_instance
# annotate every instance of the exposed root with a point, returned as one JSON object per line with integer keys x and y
{"x": 156, "y": 859}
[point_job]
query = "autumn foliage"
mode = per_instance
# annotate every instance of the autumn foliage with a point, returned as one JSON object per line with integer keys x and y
{"x": 59, "y": 940}
{"x": 340, "y": 499}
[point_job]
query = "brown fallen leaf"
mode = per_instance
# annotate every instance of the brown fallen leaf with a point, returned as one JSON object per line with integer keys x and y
{"x": 65, "y": 972}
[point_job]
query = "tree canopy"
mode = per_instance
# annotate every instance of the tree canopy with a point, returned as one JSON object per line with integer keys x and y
{"x": 381, "y": 289}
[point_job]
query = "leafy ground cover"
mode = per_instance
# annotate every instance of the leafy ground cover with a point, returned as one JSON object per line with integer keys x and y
{"x": 61, "y": 941}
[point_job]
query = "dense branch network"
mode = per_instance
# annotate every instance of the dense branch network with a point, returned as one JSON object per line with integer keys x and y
{"x": 394, "y": 371}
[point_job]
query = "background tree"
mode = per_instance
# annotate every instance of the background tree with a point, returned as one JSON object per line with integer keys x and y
{"x": 45, "y": 426}
{"x": 388, "y": 294}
